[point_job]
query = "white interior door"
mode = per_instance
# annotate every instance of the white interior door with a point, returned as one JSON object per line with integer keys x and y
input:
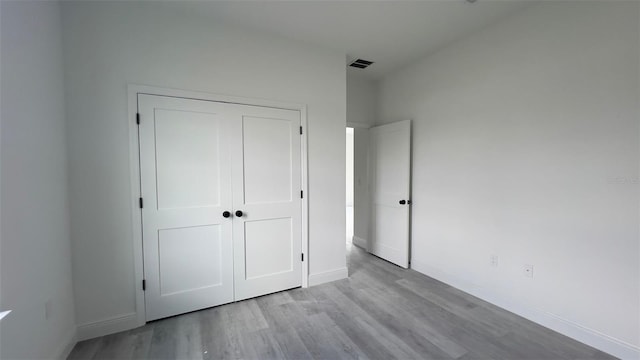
{"x": 185, "y": 169}
{"x": 390, "y": 173}
{"x": 267, "y": 236}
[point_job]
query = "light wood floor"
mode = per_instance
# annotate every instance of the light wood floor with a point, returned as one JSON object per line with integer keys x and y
{"x": 380, "y": 312}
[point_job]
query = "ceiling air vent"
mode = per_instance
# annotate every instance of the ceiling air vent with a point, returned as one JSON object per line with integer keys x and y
{"x": 361, "y": 64}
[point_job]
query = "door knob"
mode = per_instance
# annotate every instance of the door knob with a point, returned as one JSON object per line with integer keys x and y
{"x": 402, "y": 202}
{"x": 239, "y": 213}
{"x": 226, "y": 214}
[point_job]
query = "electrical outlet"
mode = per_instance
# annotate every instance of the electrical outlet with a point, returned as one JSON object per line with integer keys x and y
{"x": 494, "y": 260}
{"x": 528, "y": 270}
{"x": 47, "y": 309}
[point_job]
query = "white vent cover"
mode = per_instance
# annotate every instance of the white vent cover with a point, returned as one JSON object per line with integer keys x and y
{"x": 361, "y": 64}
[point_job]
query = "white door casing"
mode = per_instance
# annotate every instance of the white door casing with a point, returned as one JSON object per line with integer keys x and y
{"x": 201, "y": 158}
{"x": 390, "y": 183}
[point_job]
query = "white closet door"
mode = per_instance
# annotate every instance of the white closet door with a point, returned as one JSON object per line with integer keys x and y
{"x": 185, "y": 168}
{"x": 390, "y": 161}
{"x": 266, "y": 189}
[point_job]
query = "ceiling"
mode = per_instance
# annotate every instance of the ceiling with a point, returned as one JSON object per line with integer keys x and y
{"x": 393, "y": 34}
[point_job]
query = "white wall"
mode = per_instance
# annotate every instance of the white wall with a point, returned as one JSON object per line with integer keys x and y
{"x": 111, "y": 44}
{"x": 361, "y": 98}
{"x": 526, "y": 141}
{"x": 35, "y": 263}
{"x": 361, "y": 111}
{"x": 349, "y": 167}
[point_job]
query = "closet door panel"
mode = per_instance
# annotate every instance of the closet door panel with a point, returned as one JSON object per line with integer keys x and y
{"x": 188, "y": 159}
{"x": 268, "y": 160}
{"x": 185, "y": 169}
{"x": 261, "y": 236}
{"x": 267, "y": 184}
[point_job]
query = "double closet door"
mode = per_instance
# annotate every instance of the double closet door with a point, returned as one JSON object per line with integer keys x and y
{"x": 222, "y": 214}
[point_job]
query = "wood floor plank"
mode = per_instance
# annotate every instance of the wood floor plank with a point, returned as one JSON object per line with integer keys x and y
{"x": 86, "y": 349}
{"x": 260, "y": 344}
{"x": 373, "y": 338}
{"x": 164, "y": 339}
{"x": 381, "y": 311}
{"x": 279, "y": 298}
{"x": 189, "y": 343}
{"x": 320, "y": 335}
{"x": 441, "y": 340}
{"x": 389, "y": 319}
{"x": 132, "y": 344}
{"x": 142, "y": 342}
{"x": 524, "y": 349}
{"x": 461, "y": 308}
{"x": 284, "y": 331}
{"x": 216, "y": 342}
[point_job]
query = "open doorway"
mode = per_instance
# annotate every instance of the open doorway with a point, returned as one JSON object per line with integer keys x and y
{"x": 349, "y": 185}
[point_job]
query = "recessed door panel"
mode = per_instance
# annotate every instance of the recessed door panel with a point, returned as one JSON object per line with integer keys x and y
{"x": 267, "y": 159}
{"x": 187, "y": 158}
{"x": 261, "y": 237}
{"x": 201, "y": 247}
{"x": 390, "y": 164}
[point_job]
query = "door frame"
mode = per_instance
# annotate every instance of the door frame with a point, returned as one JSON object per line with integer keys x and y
{"x": 134, "y": 170}
{"x": 358, "y": 241}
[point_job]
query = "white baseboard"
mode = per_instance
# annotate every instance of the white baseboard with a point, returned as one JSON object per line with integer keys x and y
{"x": 360, "y": 242}
{"x": 328, "y": 276}
{"x": 591, "y": 337}
{"x": 66, "y": 347}
{"x": 108, "y": 326}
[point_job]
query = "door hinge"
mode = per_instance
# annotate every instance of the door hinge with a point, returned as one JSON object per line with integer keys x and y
{"x": 300, "y": 130}
{"x": 302, "y": 257}
{"x": 301, "y": 194}
{"x": 138, "y": 118}
{"x": 144, "y": 284}
{"x": 141, "y": 203}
